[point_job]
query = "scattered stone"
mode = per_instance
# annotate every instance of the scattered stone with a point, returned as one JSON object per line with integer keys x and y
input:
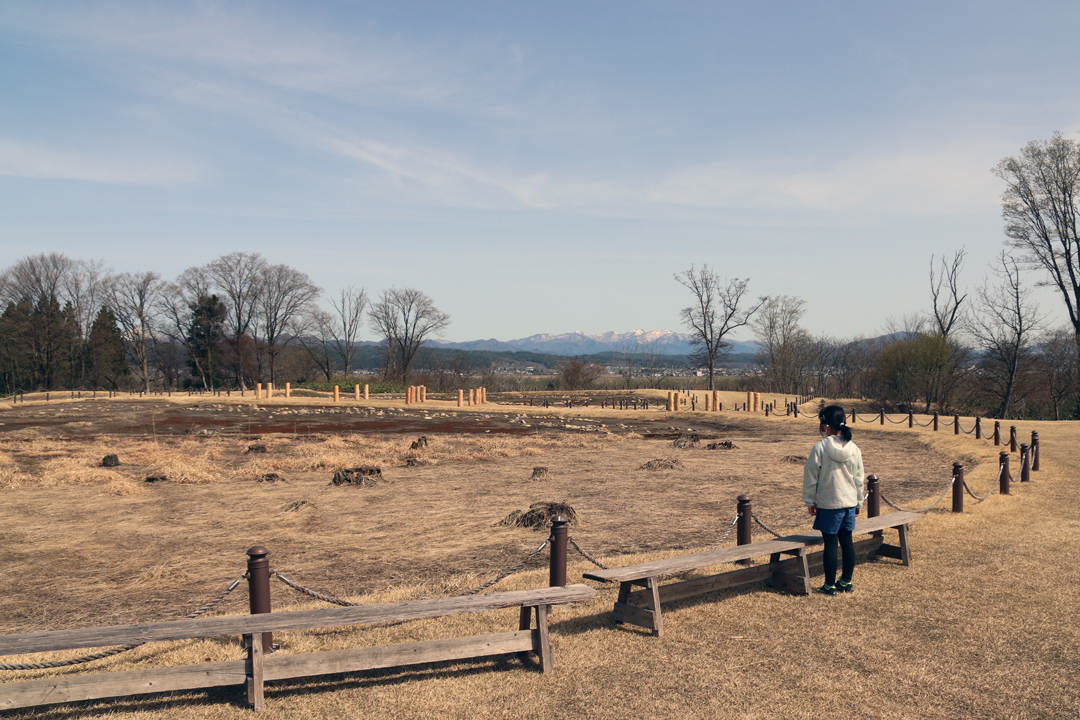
{"x": 661, "y": 464}
{"x": 687, "y": 441}
{"x": 724, "y": 445}
{"x": 538, "y": 516}
{"x": 110, "y": 461}
{"x": 793, "y": 459}
{"x": 362, "y": 476}
{"x": 415, "y": 462}
{"x": 255, "y": 449}
{"x": 539, "y": 473}
{"x": 201, "y": 432}
{"x": 420, "y": 442}
{"x": 157, "y": 478}
{"x": 270, "y": 477}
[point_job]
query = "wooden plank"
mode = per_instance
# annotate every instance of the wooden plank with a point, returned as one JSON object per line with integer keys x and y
{"x": 788, "y": 582}
{"x": 905, "y": 549}
{"x": 255, "y": 672}
{"x": 642, "y": 617}
{"x": 75, "y": 688}
{"x": 272, "y": 622}
{"x": 889, "y": 551}
{"x": 700, "y": 586}
{"x": 542, "y": 642}
{"x": 283, "y": 667}
{"x": 654, "y": 604}
{"x": 685, "y": 563}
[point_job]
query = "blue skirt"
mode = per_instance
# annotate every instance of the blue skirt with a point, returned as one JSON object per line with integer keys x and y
{"x": 830, "y": 522}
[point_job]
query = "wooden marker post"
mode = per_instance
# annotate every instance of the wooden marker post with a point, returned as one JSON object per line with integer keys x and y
{"x": 460, "y": 398}
{"x": 423, "y": 393}
{"x": 716, "y": 400}
{"x": 288, "y": 390}
{"x": 472, "y": 396}
{"x": 269, "y": 390}
{"x": 258, "y": 391}
{"x": 356, "y": 392}
{"x": 366, "y": 395}
{"x": 336, "y": 393}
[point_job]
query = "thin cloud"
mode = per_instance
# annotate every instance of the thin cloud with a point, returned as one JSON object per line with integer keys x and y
{"x": 41, "y": 162}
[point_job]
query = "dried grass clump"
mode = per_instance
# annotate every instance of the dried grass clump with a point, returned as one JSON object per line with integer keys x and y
{"x": 793, "y": 459}
{"x": 71, "y": 470}
{"x": 185, "y": 469}
{"x": 538, "y": 516}
{"x": 687, "y": 441}
{"x": 722, "y": 445}
{"x": 662, "y": 464}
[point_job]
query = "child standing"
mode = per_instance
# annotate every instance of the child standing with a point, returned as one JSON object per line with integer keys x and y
{"x": 833, "y": 487}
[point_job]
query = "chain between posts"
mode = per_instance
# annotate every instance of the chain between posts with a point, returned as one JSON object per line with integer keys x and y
{"x": 895, "y": 422}
{"x": 311, "y": 593}
{"x": 586, "y": 555}
{"x": 980, "y": 498}
{"x": 894, "y": 506}
{"x": 764, "y": 527}
{"x": 205, "y": 607}
{"x": 724, "y": 534}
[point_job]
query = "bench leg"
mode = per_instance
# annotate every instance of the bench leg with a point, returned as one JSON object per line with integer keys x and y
{"x": 543, "y": 650}
{"x": 654, "y": 605}
{"x": 905, "y": 550}
{"x": 255, "y": 673}
{"x": 524, "y": 618}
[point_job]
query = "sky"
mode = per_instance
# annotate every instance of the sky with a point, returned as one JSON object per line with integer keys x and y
{"x": 535, "y": 167}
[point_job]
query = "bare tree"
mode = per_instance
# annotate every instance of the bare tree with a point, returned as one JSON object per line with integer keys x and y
{"x": 135, "y": 302}
{"x": 405, "y": 318}
{"x": 239, "y": 277}
{"x": 348, "y": 317}
{"x": 1004, "y": 327}
{"x": 1041, "y": 208}
{"x": 1058, "y": 368}
{"x": 714, "y": 314}
{"x": 786, "y": 349}
{"x": 316, "y": 337}
{"x": 945, "y": 292}
{"x": 286, "y": 294}
{"x": 182, "y": 306}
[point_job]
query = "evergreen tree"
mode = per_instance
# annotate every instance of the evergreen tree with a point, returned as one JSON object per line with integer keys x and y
{"x": 205, "y": 336}
{"x": 106, "y": 358}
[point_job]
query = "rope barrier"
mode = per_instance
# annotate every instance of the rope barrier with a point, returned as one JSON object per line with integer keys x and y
{"x": 724, "y": 534}
{"x": 967, "y": 432}
{"x": 124, "y": 648}
{"x": 508, "y": 572}
{"x": 311, "y": 593}
{"x": 995, "y": 486}
{"x": 586, "y": 555}
{"x": 894, "y": 506}
{"x": 895, "y": 422}
{"x": 928, "y": 423}
{"x": 764, "y": 527}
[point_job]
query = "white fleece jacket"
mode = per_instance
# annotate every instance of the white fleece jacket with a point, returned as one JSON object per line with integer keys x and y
{"x": 833, "y": 477}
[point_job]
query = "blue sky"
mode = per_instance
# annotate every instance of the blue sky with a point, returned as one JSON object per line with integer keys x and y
{"x": 534, "y": 167}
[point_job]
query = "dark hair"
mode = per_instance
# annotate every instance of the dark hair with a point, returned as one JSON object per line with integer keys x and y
{"x": 835, "y": 417}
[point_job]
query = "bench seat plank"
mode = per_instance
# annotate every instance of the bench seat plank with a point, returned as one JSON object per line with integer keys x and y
{"x": 299, "y": 620}
{"x": 686, "y": 563}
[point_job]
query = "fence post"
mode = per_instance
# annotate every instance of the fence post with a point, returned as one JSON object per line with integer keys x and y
{"x": 997, "y": 433}
{"x": 956, "y": 424}
{"x": 366, "y": 395}
{"x": 559, "y": 534}
{"x": 958, "y": 487}
{"x": 978, "y": 428}
{"x": 259, "y": 588}
{"x": 910, "y": 419}
{"x": 766, "y": 411}
{"x": 1003, "y": 463}
{"x": 460, "y": 398}
{"x": 1034, "y": 451}
{"x": 873, "y": 496}
{"x": 337, "y": 393}
{"x": 881, "y": 415}
{"x": 1012, "y": 438}
{"x": 1025, "y": 467}
{"x": 745, "y": 513}
{"x": 935, "y": 422}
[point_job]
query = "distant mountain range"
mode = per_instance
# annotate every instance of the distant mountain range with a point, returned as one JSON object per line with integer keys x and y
{"x": 666, "y": 342}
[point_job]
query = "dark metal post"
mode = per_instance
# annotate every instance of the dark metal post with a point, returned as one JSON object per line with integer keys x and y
{"x": 852, "y": 416}
{"x": 881, "y": 415}
{"x": 935, "y": 422}
{"x": 1003, "y": 482}
{"x": 259, "y": 588}
{"x": 873, "y": 496}
{"x": 766, "y": 411}
{"x": 1025, "y": 467}
{"x": 958, "y": 487}
{"x": 1012, "y": 438}
{"x": 910, "y": 419}
{"x": 1034, "y": 451}
{"x": 745, "y": 514}
{"x": 997, "y": 433}
{"x": 978, "y": 428}
{"x": 559, "y": 534}
{"x": 956, "y": 424}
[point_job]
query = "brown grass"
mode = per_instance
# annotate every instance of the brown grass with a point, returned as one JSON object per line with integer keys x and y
{"x": 981, "y": 625}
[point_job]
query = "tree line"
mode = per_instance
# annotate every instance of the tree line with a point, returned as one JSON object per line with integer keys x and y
{"x": 235, "y": 321}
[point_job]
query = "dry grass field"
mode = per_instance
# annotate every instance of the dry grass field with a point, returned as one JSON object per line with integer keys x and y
{"x": 981, "y": 625}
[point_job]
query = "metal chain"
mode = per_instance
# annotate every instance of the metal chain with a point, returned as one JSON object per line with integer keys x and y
{"x": 894, "y": 506}
{"x": 507, "y": 573}
{"x": 312, "y": 593}
{"x": 895, "y": 422}
{"x": 928, "y": 423}
{"x": 724, "y": 534}
{"x": 124, "y": 648}
{"x": 764, "y": 527}
{"x": 586, "y": 555}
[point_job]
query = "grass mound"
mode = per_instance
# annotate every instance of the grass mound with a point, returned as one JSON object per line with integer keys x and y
{"x": 661, "y": 464}
{"x": 538, "y": 516}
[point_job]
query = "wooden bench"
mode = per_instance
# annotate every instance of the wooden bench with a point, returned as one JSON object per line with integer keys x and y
{"x": 259, "y": 668}
{"x": 642, "y": 607}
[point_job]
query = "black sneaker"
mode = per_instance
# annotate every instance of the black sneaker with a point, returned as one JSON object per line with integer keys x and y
{"x": 842, "y": 586}
{"x": 826, "y": 590}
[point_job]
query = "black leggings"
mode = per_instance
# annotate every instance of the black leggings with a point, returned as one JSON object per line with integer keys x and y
{"x": 847, "y": 548}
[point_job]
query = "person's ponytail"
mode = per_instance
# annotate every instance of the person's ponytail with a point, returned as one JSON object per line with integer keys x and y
{"x": 835, "y": 417}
